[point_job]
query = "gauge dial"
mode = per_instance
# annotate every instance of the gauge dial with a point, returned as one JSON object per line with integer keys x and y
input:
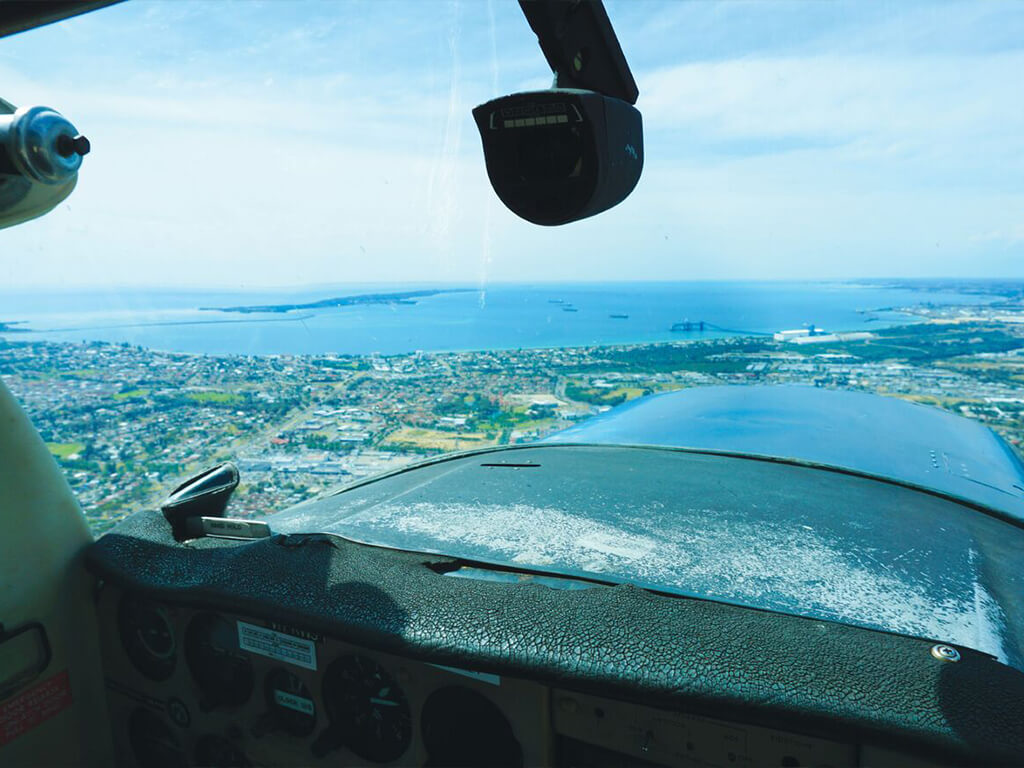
{"x": 147, "y": 637}
{"x": 291, "y": 704}
{"x": 221, "y": 670}
{"x": 367, "y": 708}
{"x": 461, "y": 726}
{"x": 218, "y": 752}
{"x": 152, "y": 742}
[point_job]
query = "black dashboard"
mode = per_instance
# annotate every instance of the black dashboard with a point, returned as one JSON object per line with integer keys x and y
{"x": 311, "y": 649}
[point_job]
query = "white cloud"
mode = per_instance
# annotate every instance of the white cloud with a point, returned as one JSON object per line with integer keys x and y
{"x": 919, "y": 101}
{"x": 276, "y": 160}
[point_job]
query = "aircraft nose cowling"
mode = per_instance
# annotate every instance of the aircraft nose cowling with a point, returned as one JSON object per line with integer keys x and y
{"x": 876, "y": 435}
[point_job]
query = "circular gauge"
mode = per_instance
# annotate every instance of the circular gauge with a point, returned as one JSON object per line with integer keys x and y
{"x": 221, "y": 670}
{"x": 217, "y": 752}
{"x": 461, "y": 727}
{"x": 290, "y": 702}
{"x": 147, "y": 637}
{"x": 367, "y": 709}
{"x": 153, "y": 743}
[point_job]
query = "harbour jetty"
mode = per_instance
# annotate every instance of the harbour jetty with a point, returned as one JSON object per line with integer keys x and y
{"x": 688, "y": 325}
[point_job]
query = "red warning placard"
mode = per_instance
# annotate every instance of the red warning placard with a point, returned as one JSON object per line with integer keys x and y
{"x": 29, "y": 708}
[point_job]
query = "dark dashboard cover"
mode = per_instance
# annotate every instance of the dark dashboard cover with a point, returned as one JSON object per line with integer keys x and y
{"x": 764, "y": 534}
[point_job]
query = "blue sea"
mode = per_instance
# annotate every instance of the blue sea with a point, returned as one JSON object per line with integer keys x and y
{"x": 503, "y": 316}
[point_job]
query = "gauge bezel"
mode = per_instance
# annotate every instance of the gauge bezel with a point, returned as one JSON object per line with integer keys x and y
{"x": 153, "y": 742}
{"x": 148, "y": 662}
{"x": 348, "y": 713}
{"x": 227, "y": 677}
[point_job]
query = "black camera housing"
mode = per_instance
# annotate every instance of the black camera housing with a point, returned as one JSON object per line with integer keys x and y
{"x": 561, "y": 155}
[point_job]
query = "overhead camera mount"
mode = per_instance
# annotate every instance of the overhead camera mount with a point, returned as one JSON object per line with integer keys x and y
{"x": 575, "y": 150}
{"x": 580, "y": 45}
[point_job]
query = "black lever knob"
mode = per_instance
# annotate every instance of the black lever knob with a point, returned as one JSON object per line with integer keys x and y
{"x": 205, "y": 495}
{"x": 73, "y": 145}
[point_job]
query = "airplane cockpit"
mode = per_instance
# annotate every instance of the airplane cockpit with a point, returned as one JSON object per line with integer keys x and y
{"x": 718, "y": 576}
{"x": 698, "y": 606}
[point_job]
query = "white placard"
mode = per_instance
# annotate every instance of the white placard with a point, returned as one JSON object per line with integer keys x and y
{"x": 290, "y": 700}
{"x": 277, "y": 645}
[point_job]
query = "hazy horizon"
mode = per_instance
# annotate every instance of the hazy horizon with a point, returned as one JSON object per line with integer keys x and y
{"x": 476, "y": 286}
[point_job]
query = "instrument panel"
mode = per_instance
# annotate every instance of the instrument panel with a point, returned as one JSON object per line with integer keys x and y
{"x": 190, "y": 687}
{"x": 195, "y": 688}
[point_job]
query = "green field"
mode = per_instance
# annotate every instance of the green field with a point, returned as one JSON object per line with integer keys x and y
{"x": 63, "y": 450}
{"x": 433, "y": 439}
{"x": 132, "y": 393}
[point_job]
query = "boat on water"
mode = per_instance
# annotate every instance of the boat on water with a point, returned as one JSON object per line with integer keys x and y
{"x": 569, "y": 309}
{"x": 556, "y": 301}
{"x": 618, "y": 316}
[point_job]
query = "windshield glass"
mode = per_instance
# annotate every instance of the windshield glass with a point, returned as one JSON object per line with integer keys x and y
{"x": 284, "y": 250}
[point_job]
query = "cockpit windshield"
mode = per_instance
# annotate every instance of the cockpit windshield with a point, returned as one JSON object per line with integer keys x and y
{"x": 284, "y": 250}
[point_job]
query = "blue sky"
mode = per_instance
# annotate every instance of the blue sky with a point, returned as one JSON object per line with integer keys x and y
{"x": 248, "y": 144}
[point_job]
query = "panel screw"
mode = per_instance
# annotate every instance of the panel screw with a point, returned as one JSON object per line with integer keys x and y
{"x": 945, "y": 653}
{"x": 178, "y": 712}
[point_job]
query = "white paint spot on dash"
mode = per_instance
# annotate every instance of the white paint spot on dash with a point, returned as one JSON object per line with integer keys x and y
{"x": 625, "y": 547}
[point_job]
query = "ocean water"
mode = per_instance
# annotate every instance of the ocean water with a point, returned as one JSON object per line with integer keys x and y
{"x": 505, "y": 316}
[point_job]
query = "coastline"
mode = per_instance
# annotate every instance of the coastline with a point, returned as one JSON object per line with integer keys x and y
{"x": 500, "y": 318}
